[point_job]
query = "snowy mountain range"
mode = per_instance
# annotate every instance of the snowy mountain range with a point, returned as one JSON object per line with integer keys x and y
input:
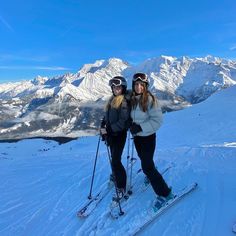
{"x": 71, "y": 105}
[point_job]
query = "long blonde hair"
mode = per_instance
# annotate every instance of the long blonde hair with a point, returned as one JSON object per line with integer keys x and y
{"x": 143, "y": 102}
{"x": 114, "y": 102}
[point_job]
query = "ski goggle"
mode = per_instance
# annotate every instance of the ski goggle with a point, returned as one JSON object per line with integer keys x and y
{"x": 140, "y": 76}
{"x": 115, "y": 82}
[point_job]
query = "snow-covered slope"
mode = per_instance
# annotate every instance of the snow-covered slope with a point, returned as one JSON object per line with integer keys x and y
{"x": 206, "y": 123}
{"x": 42, "y": 184}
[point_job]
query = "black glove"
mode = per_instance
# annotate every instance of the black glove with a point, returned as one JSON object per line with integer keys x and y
{"x": 135, "y": 128}
{"x": 103, "y": 123}
{"x": 104, "y": 137}
{"x": 109, "y": 130}
{"x": 103, "y": 133}
{"x": 108, "y": 140}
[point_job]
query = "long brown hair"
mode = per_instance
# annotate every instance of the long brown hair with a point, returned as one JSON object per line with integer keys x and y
{"x": 143, "y": 102}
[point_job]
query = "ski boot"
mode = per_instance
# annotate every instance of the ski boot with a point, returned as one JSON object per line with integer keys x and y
{"x": 161, "y": 201}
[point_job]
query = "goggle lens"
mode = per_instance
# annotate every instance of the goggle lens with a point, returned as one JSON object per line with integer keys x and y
{"x": 115, "y": 82}
{"x": 140, "y": 76}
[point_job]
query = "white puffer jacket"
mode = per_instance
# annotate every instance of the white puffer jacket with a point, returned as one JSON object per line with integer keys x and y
{"x": 150, "y": 121}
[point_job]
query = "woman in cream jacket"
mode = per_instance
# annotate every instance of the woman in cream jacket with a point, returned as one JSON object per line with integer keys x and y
{"x": 146, "y": 117}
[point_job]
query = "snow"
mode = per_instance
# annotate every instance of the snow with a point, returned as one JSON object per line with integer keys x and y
{"x": 204, "y": 123}
{"x": 183, "y": 76}
{"x": 96, "y": 78}
{"x": 39, "y": 80}
{"x": 14, "y": 127}
{"x": 43, "y": 184}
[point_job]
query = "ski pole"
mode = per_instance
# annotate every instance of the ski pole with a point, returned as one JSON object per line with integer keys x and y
{"x": 94, "y": 167}
{"x": 115, "y": 183}
{"x": 131, "y": 168}
{"x": 128, "y": 161}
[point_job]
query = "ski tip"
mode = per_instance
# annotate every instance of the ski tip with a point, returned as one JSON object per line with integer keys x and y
{"x": 194, "y": 185}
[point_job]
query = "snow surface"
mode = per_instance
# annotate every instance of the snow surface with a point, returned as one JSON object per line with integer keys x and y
{"x": 43, "y": 184}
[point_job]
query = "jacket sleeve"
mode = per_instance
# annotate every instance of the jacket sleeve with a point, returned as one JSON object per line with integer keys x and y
{"x": 155, "y": 119}
{"x": 124, "y": 116}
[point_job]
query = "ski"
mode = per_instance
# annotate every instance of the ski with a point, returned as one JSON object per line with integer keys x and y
{"x": 92, "y": 203}
{"x": 153, "y": 215}
{"x": 114, "y": 211}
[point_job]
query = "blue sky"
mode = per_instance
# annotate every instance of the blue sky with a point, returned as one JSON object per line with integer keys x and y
{"x": 49, "y": 37}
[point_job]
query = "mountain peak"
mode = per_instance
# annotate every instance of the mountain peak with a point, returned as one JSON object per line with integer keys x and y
{"x": 39, "y": 80}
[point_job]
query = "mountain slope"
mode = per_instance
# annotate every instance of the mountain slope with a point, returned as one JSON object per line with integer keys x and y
{"x": 69, "y": 100}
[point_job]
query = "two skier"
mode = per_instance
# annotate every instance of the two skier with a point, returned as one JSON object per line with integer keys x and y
{"x": 140, "y": 112}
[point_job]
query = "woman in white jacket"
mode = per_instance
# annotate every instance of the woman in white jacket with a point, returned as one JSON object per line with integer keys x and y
{"x": 146, "y": 117}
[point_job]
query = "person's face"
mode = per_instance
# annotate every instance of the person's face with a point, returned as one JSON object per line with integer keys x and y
{"x": 117, "y": 90}
{"x": 139, "y": 87}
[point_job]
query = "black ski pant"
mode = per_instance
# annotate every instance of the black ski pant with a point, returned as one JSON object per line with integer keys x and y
{"x": 117, "y": 144}
{"x": 145, "y": 146}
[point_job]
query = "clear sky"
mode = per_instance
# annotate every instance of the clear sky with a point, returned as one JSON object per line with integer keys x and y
{"x": 49, "y": 37}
